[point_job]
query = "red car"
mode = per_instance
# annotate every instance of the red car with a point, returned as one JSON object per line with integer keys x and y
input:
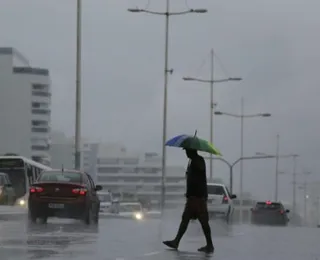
{"x": 64, "y": 194}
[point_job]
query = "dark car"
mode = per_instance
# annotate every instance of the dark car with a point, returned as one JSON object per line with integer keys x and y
{"x": 64, "y": 194}
{"x": 269, "y": 213}
{"x": 7, "y": 193}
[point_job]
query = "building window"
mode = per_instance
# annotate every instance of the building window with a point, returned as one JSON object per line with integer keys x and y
{"x": 174, "y": 189}
{"x": 39, "y": 148}
{"x": 109, "y": 179}
{"x": 39, "y": 140}
{"x": 149, "y": 170}
{"x": 37, "y": 158}
{"x": 103, "y": 178}
{"x": 40, "y": 94}
{"x": 108, "y": 161}
{"x": 39, "y": 105}
{"x": 37, "y": 86}
{"x": 128, "y": 170}
{"x": 131, "y": 161}
{"x": 39, "y": 130}
{"x": 108, "y": 169}
{"x": 175, "y": 179}
{"x": 152, "y": 180}
{"x": 39, "y": 123}
{"x": 40, "y": 111}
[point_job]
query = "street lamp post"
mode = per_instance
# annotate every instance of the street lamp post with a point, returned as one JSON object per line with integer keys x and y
{"x": 305, "y": 192}
{"x": 277, "y": 169}
{"x": 78, "y": 90}
{"x": 211, "y": 81}
{"x": 231, "y": 165}
{"x": 294, "y": 181}
{"x": 242, "y": 116}
{"x": 304, "y": 187}
{"x": 294, "y": 175}
{"x": 167, "y": 14}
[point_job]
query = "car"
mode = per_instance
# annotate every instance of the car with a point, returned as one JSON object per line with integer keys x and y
{"x": 64, "y": 194}
{"x": 269, "y": 213}
{"x": 128, "y": 210}
{"x": 220, "y": 201}
{"x": 7, "y": 192}
{"x": 105, "y": 202}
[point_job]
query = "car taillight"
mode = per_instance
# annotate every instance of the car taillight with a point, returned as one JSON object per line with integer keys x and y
{"x": 281, "y": 211}
{"x": 225, "y": 200}
{"x": 36, "y": 189}
{"x": 80, "y": 191}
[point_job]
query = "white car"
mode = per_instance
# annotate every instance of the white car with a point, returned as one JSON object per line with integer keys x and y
{"x": 220, "y": 201}
{"x": 126, "y": 210}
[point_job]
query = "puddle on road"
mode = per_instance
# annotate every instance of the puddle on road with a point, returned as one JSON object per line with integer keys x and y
{"x": 44, "y": 241}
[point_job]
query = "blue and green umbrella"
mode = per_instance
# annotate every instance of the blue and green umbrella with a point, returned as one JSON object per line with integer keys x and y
{"x": 193, "y": 142}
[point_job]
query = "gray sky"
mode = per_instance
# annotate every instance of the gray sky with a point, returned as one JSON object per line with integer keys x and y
{"x": 272, "y": 45}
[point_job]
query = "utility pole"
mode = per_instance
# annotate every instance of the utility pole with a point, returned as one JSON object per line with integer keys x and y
{"x": 318, "y": 210}
{"x": 277, "y": 169}
{"x": 78, "y": 91}
{"x": 241, "y": 162}
{"x": 294, "y": 185}
{"x": 305, "y": 194}
{"x": 211, "y": 111}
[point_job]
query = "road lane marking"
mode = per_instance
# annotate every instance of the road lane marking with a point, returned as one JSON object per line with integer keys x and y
{"x": 152, "y": 253}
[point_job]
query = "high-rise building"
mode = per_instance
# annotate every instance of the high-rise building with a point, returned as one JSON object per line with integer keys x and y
{"x": 25, "y": 107}
{"x": 63, "y": 149}
{"x": 119, "y": 171}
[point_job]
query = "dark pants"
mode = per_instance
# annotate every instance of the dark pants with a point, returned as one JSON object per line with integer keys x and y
{"x": 195, "y": 208}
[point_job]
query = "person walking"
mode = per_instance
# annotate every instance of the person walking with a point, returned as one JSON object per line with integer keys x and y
{"x": 196, "y": 202}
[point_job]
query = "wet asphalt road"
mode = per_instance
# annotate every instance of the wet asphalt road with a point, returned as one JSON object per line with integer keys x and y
{"x": 120, "y": 239}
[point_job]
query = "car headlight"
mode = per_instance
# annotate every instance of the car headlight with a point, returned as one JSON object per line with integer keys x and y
{"x": 21, "y": 203}
{"x": 138, "y": 216}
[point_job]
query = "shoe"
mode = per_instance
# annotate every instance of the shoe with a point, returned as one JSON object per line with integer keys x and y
{"x": 171, "y": 243}
{"x": 207, "y": 249}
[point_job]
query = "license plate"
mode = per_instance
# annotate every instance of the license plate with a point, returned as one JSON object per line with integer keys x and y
{"x": 55, "y": 206}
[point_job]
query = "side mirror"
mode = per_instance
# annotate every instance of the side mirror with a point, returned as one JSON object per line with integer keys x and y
{"x": 287, "y": 210}
{"x": 233, "y": 196}
{"x": 98, "y": 188}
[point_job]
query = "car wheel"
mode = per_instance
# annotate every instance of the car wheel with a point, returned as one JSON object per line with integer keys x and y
{"x": 32, "y": 217}
{"x": 44, "y": 219}
{"x": 96, "y": 217}
{"x": 88, "y": 217}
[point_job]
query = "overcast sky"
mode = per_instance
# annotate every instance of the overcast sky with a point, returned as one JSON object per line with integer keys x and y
{"x": 273, "y": 45}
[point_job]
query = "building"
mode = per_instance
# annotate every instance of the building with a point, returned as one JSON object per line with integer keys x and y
{"x": 25, "y": 107}
{"x": 132, "y": 173}
{"x": 62, "y": 153}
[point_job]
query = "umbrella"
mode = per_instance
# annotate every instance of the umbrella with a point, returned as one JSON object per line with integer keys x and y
{"x": 192, "y": 142}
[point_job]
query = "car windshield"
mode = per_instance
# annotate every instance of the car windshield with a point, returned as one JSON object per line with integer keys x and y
{"x": 52, "y": 176}
{"x": 216, "y": 190}
{"x": 271, "y": 206}
{"x": 129, "y": 207}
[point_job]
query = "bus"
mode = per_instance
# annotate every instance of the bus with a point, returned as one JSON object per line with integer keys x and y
{"x": 22, "y": 172}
